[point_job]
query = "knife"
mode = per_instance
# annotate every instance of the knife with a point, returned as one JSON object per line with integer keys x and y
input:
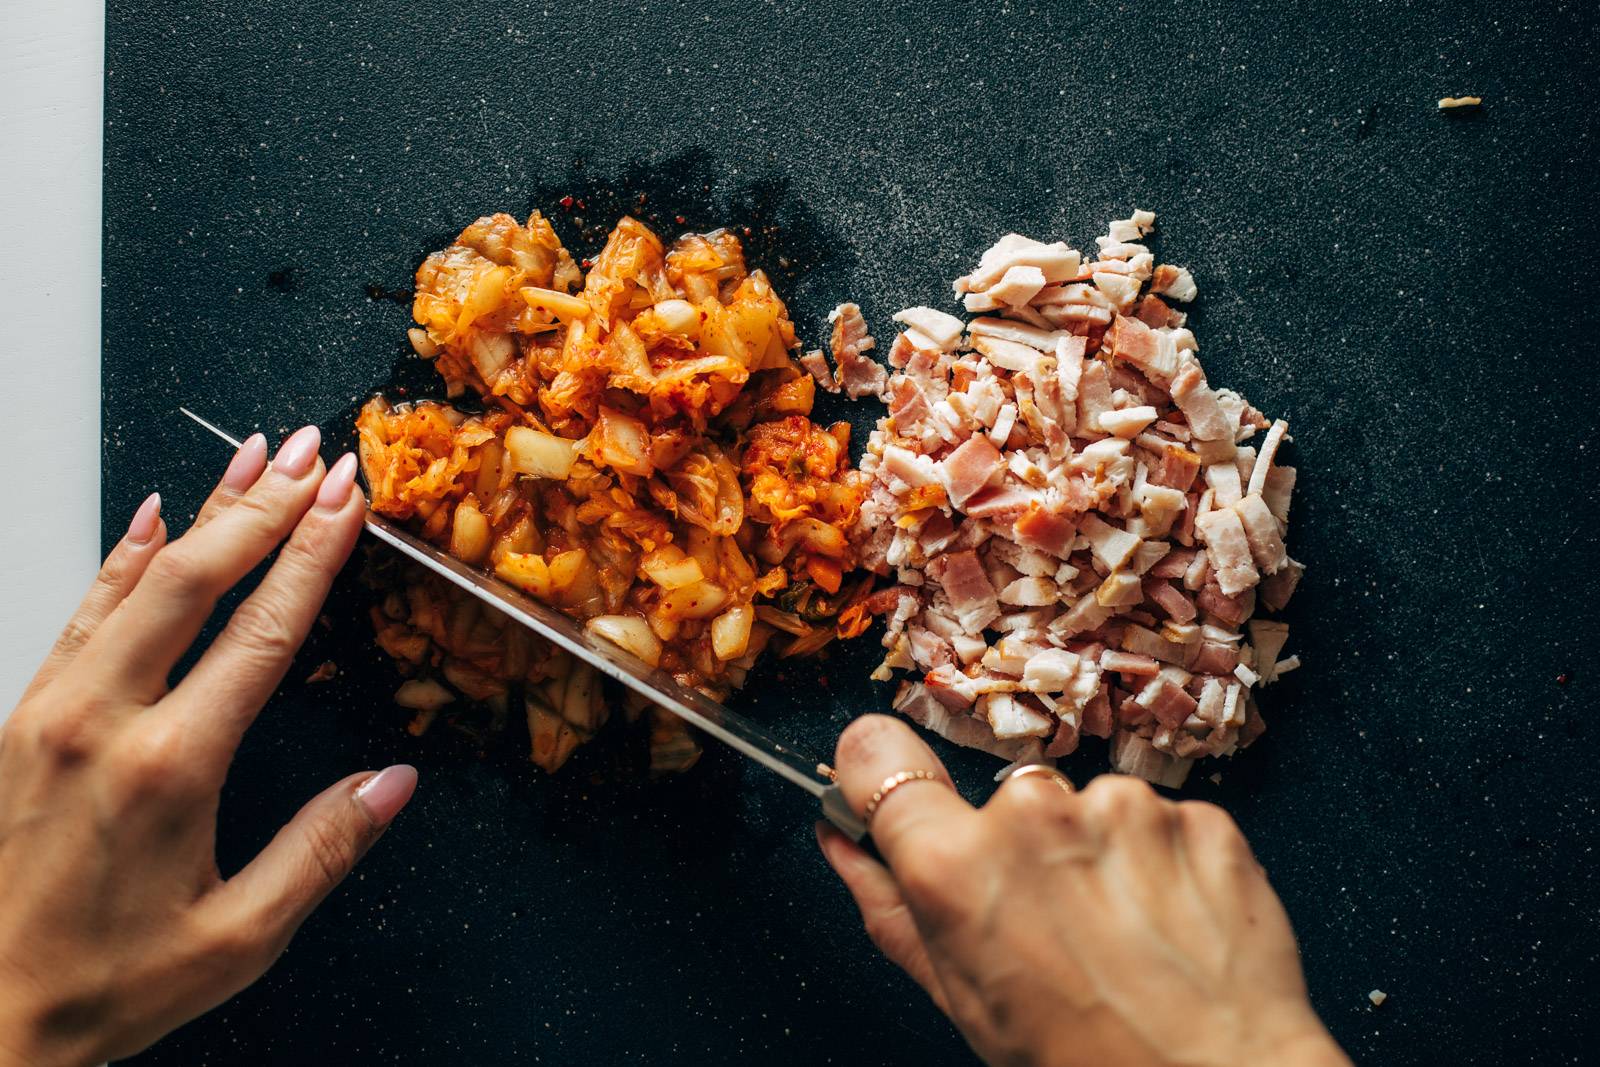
{"x": 656, "y": 685}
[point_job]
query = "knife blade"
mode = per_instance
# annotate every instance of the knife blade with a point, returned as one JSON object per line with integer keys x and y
{"x": 656, "y": 685}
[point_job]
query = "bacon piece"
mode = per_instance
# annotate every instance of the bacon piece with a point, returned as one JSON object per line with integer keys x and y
{"x": 930, "y": 328}
{"x": 1214, "y": 658}
{"x": 1055, "y": 261}
{"x": 1278, "y": 588}
{"x": 1229, "y": 550}
{"x": 1199, "y": 404}
{"x": 1097, "y": 714}
{"x": 1004, "y": 503}
{"x": 1179, "y": 608}
{"x": 907, "y": 403}
{"x": 1261, "y": 530}
{"x": 1017, "y": 285}
{"x": 1175, "y": 282}
{"x": 1167, "y": 702}
{"x": 817, "y": 364}
{"x": 1269, "y": 449}
{"x": 921, "y": 705}
{"x": 1011, "y": 719}
{"x": 1135, "y": 755}
{"x": 858, "y": 373}
{"x": 1228, "y": 610}
{"x": 1173, "y": 564}
{"x": 1111, "y": 547}
{"x": 1046, "y": 531}
{"x": 1129, "y": 663}
{"x": 971, "y": 467}
{"x": 1276, "y": 492}
{"x": 968, "y": 588}
{"x": 1133, "y": 341}
{"x": 1177, "y": 469}
{"x": 1064, "y": 743}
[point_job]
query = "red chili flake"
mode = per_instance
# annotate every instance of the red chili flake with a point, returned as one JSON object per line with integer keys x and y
{"x": 566, "y": 202}
{"x": 402, "y": 390}
{"x": 747, "y": 231}
{"x": 643, "y": 197}
{"x": 582, "y": 206}
{"x": 679, "y": 219}
{"x": 1561, "y": 679}
{"x": 586, "y": 263}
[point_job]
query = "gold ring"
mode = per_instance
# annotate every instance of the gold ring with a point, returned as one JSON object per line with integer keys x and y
{"x": 1035, "y": 769}
{"x": 890, "y": 784}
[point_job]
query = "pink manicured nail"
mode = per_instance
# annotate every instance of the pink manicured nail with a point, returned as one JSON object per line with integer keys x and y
{"x": 247, "y": 464}
{"x": 143, "y": 526}
{"x": 298, "y": 453}
{"x": 335, "y": 489}
{"x": 385, "y": 793}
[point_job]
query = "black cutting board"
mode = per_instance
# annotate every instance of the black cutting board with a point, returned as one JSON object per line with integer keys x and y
{"x": 1411, "y": 288}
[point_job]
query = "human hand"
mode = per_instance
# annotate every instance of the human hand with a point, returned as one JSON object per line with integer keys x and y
{"x": 116, "y": 926}
{"x": 1107, "y": 926}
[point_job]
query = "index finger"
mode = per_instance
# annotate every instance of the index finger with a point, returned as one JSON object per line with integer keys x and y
{"x": 875, "y": 751}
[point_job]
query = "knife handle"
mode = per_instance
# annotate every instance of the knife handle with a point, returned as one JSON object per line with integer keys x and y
{"x": 837, "y": 812}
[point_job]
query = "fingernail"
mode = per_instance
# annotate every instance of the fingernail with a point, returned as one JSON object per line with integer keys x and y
{"x": 247, "y": 464}
{"x": 385, "y": 793}
{"x": 335, "y": 489}
{"x": 143, "y": 526}
{"x": 298, "y": 453}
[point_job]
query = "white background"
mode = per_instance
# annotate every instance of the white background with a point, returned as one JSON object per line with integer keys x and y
{"x": 51, "y": 61}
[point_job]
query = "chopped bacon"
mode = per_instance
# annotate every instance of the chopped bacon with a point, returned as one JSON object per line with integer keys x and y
{"x": 858, "y": 373}
{"x": 817, "y": 365}
{"x": 968, "y": 588}
{"x": 1005, "y": 503}
{"x": 907, "y": 402}
{"x": 1064, "y": 569}
{"x": 1261, "y": 530}
{"x": 1135, "y": 342}
{"x": 971, "y": 467}
{"x": 1229, "y": 550}
{"x": 1179, "y": 608}
{"x": 1045, "y": 530}
{"x": 1178, "y": 468}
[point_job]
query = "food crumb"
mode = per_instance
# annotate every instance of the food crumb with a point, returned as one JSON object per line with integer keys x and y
{"x": 324, "y": 622}
{"x": 827, "y": 772}
{"x": 1562, "y": 678}
{"x": 325, "y": 673}
{"x": 566, "y": 202}
{"x": 1447, "y": 103}
{"x": 1377, "y": 996}
{"x": 1216, "y": 779}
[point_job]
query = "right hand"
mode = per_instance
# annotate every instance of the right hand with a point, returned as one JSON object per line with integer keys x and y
{"x": 1107, "y": 926}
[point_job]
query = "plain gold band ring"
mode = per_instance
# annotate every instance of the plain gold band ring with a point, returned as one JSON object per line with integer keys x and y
{"x": 890, "y": 784}
{"x": 1035, "y": 770}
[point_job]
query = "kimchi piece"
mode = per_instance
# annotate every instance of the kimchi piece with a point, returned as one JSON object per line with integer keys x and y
{"x": 641, "y": 456}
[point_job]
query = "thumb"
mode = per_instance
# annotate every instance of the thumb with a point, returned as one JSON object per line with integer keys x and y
{"x": 315, "y": 850}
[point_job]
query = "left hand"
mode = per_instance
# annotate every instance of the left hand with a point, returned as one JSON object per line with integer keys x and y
{"x": 116, "y": 925}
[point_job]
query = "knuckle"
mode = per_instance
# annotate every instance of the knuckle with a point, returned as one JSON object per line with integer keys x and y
{"x": 179, "y": 566}
{"x": 74, "y": 635}
{"x": 155, "y": 760}
{"x": 68, "y": 734}
{"x": 1212, "y": 825}
{"x": 329, "y": 853}
{"x": 265, "y": 508}
{"x": 263, "y": 625}
{"x": 1118, "y": 795}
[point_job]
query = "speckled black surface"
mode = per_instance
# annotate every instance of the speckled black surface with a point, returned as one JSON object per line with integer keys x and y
{"x": 1410, "y": 288}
